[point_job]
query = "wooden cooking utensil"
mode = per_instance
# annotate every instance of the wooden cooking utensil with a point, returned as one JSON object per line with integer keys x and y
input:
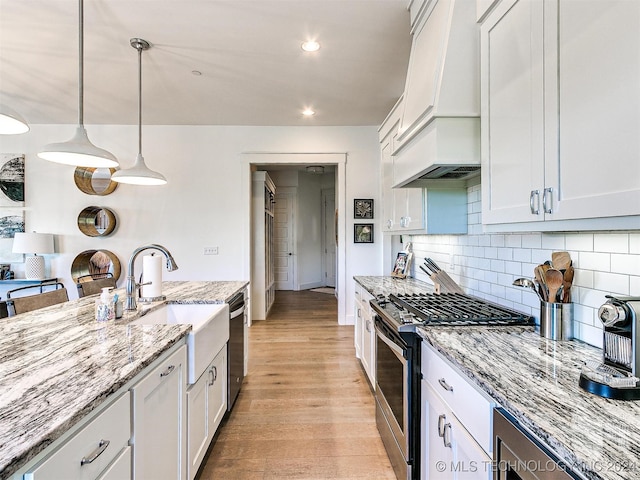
{"x": 560, "y": 260}
{"x": 553, "y": 279}
{"x": 538, "y": 272}
{"x": 566, "y": 283}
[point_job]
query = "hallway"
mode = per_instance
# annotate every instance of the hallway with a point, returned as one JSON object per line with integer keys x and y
{"x": 305, "y": 410}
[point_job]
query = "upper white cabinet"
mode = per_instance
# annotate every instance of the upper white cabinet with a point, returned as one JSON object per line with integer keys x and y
{"x": 439, "y": 121}
{"x": 561, "y": 112}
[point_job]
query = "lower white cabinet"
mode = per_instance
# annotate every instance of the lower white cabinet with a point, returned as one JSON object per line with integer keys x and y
{"x": 456, "y": 423}
{"x": 206, "y": 406}
{"x": 94, "y": 450}
{"x": 159, "y": 419}
{"x": 448, "y": 450}
{"x": 120, "y": 468}
{"x": 365, "y": 333}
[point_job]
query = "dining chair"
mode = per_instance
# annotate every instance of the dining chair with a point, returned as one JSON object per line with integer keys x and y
{"x": 28, "y": 303}
{"x": 93, "y": 284}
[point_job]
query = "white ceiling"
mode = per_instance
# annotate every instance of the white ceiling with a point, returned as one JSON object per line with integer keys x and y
{"x": 253, "y": 69}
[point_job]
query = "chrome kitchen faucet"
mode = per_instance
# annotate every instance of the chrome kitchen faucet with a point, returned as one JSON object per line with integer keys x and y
{"x": 131, "y": 285}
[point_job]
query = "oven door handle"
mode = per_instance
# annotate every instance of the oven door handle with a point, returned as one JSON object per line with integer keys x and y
{"x": 391, "y": 344}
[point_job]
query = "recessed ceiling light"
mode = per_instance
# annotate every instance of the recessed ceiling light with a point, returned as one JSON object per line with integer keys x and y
{"x": 307, "y": 112}
{"x": 311, "y": 46}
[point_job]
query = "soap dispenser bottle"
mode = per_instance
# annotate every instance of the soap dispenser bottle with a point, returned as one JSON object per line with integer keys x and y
{"x": 105, "y": 308}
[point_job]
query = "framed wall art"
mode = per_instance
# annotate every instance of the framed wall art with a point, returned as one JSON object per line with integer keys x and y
{"x": 363, "y": 233}
{"x": 11, "y": 180}
{"x": 363, "y": 208}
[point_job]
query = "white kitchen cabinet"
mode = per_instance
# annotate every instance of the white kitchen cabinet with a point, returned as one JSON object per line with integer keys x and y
{"x": 456, "y": 422}
{"x": 367, "y": 334}
{"x": 560, "y": 109}
{"x": 206, "y": 406}
{"x": 159, "y": 420}
{"x": 99, "y": 448}
{"x": 448, "y": 450}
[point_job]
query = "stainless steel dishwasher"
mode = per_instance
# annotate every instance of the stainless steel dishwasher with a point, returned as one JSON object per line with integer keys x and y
{"x": 237, "y": 322}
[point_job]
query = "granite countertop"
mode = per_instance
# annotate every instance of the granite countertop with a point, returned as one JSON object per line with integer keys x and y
{"x": 536, "y": 380}
{"x": 398, "y": 286}
{"x": 57, "y": 364}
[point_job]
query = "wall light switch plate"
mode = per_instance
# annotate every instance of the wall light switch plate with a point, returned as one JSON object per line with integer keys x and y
{"x": 211, "y": 250}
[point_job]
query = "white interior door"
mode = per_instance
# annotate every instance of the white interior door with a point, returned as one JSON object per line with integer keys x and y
{"x": 329, "y": 237}
{"x": 283, "y": 238}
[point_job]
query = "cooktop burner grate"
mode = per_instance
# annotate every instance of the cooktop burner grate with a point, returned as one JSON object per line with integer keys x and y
{"x": 456, "y": 309}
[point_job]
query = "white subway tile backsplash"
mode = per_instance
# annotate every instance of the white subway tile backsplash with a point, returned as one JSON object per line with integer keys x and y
{"x": 594, "y": 261}
{"x": 611, "y": 242}
{"x": 611, "y": 282}
{"x": 626, "y": 264}
{"x": 579, "y": 242}
{"x": 487, "y": 263}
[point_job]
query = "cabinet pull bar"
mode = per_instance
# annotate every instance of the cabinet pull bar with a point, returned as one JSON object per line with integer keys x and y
{"x": 102, "y": 446}
{"x": 548, "y": 193}
{"x": 169, "y": 369}
{"x": 443, "y": 383}
{"x": 446, "y": 439}
{"x": 441, "y": 419}
{"x": 534, "y": 205}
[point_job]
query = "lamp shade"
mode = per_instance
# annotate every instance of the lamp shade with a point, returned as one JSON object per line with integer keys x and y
{"x": 139, "y": 174}
{"x": 78, "y": 151}
{"x": 32, "y": 242}
{"x": 11, "y": 123}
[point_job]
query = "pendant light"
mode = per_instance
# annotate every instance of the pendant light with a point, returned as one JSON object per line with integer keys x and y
{"x": 79, "y": 150}
{"x": 139, "y": 174}
{"x": 11, "y": 123}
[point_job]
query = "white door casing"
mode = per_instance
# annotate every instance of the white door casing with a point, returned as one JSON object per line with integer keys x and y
{"x": 329, "y": 237}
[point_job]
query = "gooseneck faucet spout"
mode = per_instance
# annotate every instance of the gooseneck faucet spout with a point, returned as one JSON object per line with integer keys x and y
{"x": 131, "y": 285}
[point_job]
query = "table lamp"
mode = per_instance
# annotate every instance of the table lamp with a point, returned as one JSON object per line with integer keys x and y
{"x": 34, "y": 243}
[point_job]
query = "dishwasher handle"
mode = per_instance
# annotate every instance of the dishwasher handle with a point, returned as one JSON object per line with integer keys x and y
{"x": 236, "y": 305}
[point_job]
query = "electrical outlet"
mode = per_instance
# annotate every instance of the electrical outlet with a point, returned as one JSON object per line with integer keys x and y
{"x": 211, "y": 250}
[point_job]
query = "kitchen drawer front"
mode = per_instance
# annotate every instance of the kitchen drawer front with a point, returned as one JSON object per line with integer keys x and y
{"x": 120, "y": 469}
{"x": 112, "y": 425}
{"x": 469, "y": 404}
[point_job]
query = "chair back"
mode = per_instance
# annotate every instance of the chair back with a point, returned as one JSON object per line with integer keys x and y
{"x": 34, "y": 302}
{"x": 93, "y": 284}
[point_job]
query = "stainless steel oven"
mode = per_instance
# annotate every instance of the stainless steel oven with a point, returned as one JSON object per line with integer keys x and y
{"x": 519, "y": 456}
{"x": 394, "y": 389}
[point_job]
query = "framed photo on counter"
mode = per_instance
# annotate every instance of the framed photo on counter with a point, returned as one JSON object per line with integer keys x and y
{"x": 402, "y": 265}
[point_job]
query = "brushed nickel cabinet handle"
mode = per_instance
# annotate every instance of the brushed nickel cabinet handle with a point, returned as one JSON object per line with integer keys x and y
{"x": 169, "y": 369}
{"x": 443, "y": 383}
{"x": 102, "y": 446}
{"x": 441, "y": 419}
{"x": 534, "y": 205}
{"x": 547, "y": 206}
{"x": 446, "y": 439}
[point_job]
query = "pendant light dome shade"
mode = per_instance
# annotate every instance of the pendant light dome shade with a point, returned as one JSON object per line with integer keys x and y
{"x": 139, "y": 174}
{"x": 11, "y": 122}
{"x": 79, "y": 151}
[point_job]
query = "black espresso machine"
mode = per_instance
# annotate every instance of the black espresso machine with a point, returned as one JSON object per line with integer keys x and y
{"x": 617, "y": 375}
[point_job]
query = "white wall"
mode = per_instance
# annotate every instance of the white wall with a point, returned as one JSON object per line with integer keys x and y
{"x": 203, "y": 204}
{"x": 486, "y": 265}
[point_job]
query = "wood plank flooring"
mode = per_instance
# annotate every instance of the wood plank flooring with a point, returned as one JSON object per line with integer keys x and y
{"x": 305, "y": 410}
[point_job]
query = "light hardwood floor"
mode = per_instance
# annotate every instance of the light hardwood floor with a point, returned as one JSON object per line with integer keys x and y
{"x": 305, "y": 410}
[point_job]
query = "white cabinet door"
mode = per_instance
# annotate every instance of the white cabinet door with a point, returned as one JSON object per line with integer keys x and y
{"x": 389, "y": 223}
{"x": 120, "y": 469}
{"x": 597, "y": 65}
{"x": 217, "y": 398}
{"x": 512, "y": 113}
{"x": 198, "y": 434}
{"x": 159, "y": 418}
{"x": 448, "y": 451}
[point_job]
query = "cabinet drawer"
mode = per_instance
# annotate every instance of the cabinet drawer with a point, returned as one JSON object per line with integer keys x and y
{"x": 112, "y": 426}
{"x": 468, "y": 403}
{"x": 120, "y": 469}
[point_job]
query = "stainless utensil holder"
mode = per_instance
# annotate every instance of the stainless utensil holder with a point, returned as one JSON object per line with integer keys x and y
{"x": 556, "y": 320}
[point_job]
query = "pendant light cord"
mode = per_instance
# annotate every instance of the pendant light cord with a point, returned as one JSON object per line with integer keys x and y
{"x": 139, "y": 48}
{"x": 81, "y": 63}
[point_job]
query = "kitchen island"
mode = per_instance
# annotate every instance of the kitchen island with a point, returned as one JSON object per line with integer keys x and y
{"x": 58, "y": 364}
{"x": 536, "y": 381}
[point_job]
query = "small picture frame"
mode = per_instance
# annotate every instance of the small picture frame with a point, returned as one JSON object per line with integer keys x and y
{"x": 363, "y": 233}
{"x": 402, "y": 265}
{"x": 363, "y": 208}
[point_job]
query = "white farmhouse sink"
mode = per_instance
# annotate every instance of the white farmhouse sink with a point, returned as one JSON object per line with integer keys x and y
{"x": 209, "y": 334}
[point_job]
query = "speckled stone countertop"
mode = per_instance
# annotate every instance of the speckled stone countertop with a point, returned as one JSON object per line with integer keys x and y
{"x": 386, "y": 285}
{"x": 536, "y": 380}
{"x": 57, "y": 364}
